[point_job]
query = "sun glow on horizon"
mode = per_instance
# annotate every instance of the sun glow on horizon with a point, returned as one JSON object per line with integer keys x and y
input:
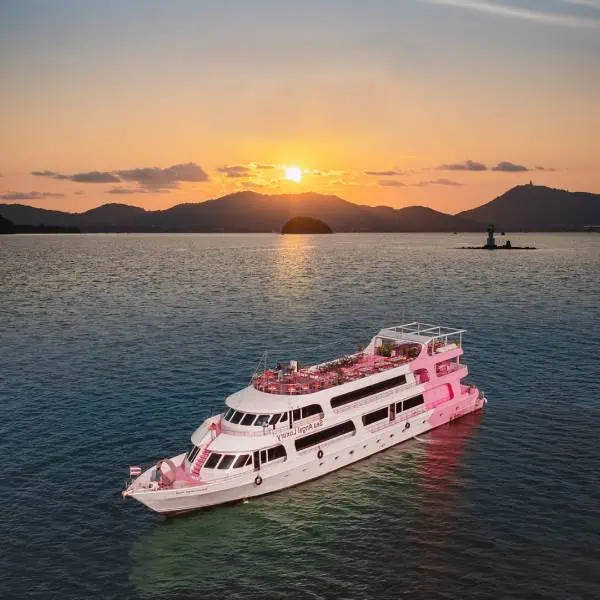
{"x": 293, "y": 174}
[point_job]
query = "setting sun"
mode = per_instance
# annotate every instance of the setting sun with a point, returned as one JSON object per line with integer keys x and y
{"x": 293, "y": 174}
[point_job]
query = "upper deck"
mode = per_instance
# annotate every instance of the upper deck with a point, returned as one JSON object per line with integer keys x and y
{"x": 390, "y": 348}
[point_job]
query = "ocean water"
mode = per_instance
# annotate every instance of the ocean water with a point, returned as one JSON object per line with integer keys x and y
{"x": 114, "y": 347}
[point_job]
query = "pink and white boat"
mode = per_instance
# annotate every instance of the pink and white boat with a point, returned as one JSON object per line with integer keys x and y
{"x": 292, "y": 424}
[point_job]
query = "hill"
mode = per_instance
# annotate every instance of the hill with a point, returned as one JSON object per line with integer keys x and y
{"x": 247, "y": 212}
{"x": 8, "y": 227}
{"x": 529, "y": 207}
{"x": 538, "y": 208}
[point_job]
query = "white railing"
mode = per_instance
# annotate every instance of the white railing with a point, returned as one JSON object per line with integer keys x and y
{"x": 374, "y": 398}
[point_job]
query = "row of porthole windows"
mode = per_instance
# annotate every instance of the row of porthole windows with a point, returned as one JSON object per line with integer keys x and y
{"x": 238, "y": 417}
{"x": 217, "y": 460}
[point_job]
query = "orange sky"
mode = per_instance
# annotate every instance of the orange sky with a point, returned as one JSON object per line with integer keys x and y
{"x": 405, "y": 91}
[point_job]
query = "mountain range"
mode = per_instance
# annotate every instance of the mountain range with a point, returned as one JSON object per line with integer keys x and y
{"x": 522, "y": 208}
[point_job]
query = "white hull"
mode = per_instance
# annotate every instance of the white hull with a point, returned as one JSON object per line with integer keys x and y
{"x": 305, "y": 466}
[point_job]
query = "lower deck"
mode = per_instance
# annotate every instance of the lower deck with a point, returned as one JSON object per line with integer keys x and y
{"x": 185, "y": 494}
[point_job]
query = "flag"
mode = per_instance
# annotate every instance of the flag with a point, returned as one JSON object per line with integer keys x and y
{"x": 135, "y": 471}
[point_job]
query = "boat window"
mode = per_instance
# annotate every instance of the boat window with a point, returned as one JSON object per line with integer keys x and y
{"x": 249, "y": 461}
{"x": 248, "y": 419}
{"x": 241, "y": 461}
{"x": 274, "y": 419}
{"x": 193, "y": 453}
{"x": 324, "y": 435}
{"x": 377, "y": 415}
{"x": 212, "y": 461}
{"x": 297, "y": 414}
{"x": 262, "y": 420}
{"x": 310, "y": 410}
{"x": 226, "y": 461}
{"x": 388, "y": 384}
{"x": 412, "y": 402}
{"x": 228, "y": 414}
{"x": 276, "y": 452}
{"x": 283, "y": 417}
{"x": 263, "y": 457}
{"x": 236, "y": 417}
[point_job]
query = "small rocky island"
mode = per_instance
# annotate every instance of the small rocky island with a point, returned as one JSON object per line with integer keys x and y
{"x": 490, "y": 243}
{"x": 305, "y": 225}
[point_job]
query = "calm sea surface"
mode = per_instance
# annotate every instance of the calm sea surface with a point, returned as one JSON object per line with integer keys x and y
{"x": 113, "y": 348}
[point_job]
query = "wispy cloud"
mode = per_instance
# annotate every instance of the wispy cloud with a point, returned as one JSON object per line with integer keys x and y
{"x": 92, "y": 177}
{"x": 515, "y": 12}
{"x": 139, "y": 190}
{"x": 255, "y": 165}
{"x": 30, "y": 195}
{"x": 504, "y": 166}
{"x": 385, "y": 173}
{"x": 589, "y": 3}
{"x": 252, "y": 184}
{"x": 508, "y": 167}
{"x": 155, "y": 178}
{"x": 391, "y": 183}
{"x": 235, "y": 171}
{"x": 467, "y": 165}
{"x": 439, "y": 181}
{"x": 169, "y": 177}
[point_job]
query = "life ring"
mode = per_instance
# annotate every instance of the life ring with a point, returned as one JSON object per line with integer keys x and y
{"x": 320, "y": 454}
{"x": 258, "y": 480}
{"x": 407, "y": 425}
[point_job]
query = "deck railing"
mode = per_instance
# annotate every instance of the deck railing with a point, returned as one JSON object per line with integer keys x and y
{"x": 308, "y": 381}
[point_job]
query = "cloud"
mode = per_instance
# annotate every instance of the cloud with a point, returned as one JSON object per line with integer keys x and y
{"x": 588, "y": 3}
{"x": 439, "y": 181}
{"x": 252, "y": 184}
{"x": 261, "y": 166}
{"x": 94, "y": 177}
{"x": 90, "y": 177}
{"x": 154, "y": 178}
{"x": 122, "y": 190}
{"x": 390, "y": 173}
{"x": 330, "y": 173}
{"x": 51, "y": 174}
{"x": 138, "y": 190}
{"x": 508, "y": 167}
{"x": 468, "y": 165}
{"x": 390, "y": 183}
{"x": 235, "y": 171}
{"x": 515, "y": 12}
{"x": 546, "y": 169}
{"x": 30, "y": 195}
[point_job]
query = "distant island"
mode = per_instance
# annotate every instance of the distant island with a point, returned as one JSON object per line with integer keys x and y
{"x": 305, "y": 225}
{"x": 8, "y": 227}
{"x": 522, "y": 208}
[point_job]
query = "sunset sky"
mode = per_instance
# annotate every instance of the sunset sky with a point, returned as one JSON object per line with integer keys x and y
{"x": 445, "y": 103}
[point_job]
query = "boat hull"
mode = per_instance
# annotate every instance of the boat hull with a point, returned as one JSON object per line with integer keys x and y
{"x": 308, "y": 465}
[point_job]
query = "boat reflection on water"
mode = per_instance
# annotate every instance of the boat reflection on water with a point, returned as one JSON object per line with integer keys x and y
{"x": 270, "y": 540}
{"x": 444, "y": 449}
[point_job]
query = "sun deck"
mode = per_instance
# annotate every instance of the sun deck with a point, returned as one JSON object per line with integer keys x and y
{"x": 390, "y": 348}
